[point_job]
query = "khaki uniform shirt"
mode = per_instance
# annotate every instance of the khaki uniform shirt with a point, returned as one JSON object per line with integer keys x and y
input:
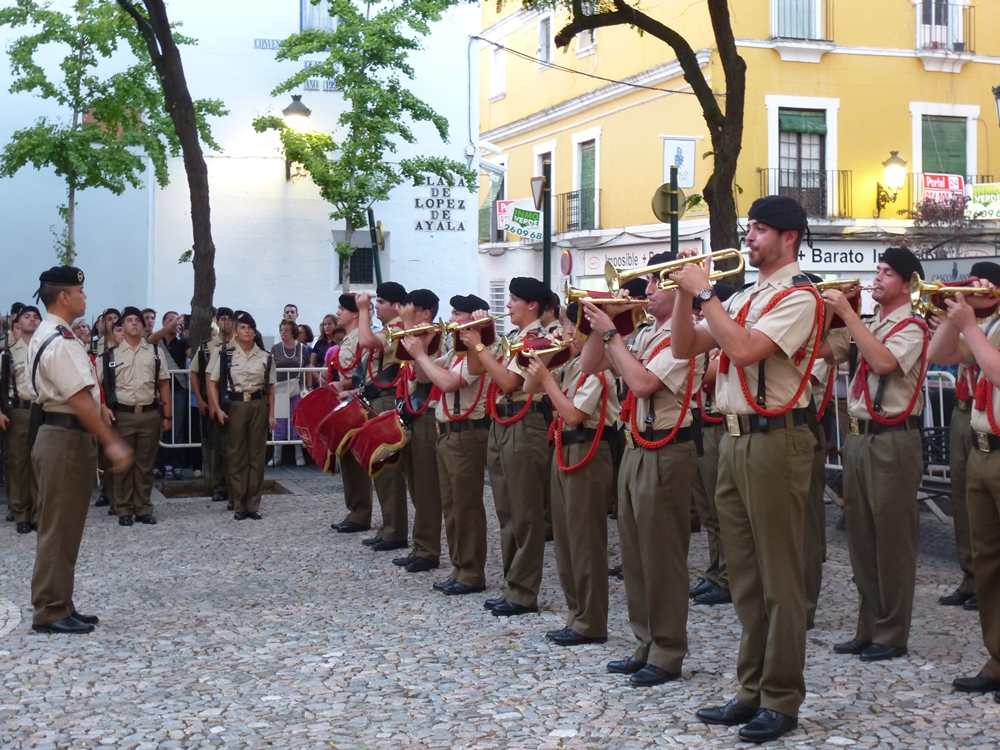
{"x": 588, "y": 396}
{"x": 906, "y": 346}
{"x": 666, "y": 403}
{"x": 246, "y": 371}
{"x": 348, "y": 349}
{"x": 20, "y": 373}
{"x": 134, "y": 372}
{"x": 211, "y": 347}
{"x": 467, "y": 394}
{"x": 387, "y": 355}
{"x": 532, "y": 330}
{"x": 790, "y": 325}
{"x": 980, "y": 422}
{"x": 63, "y": 370}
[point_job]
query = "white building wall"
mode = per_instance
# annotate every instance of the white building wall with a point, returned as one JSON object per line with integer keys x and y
{"x": 272, "y": 236}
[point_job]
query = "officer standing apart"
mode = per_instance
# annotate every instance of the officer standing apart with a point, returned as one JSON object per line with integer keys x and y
{"x": 887, "y": 354}
{"x": 22, "y": 485}
{"x": 765, "y": 458}
{"x": 137, "y": 388}
{"x": 246, "y": 409}
{"x": 65, "y": 451}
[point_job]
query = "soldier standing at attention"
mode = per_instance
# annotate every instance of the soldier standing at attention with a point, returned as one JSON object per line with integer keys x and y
{"x": 768, "y": 334}
{"x": 137, "y": 378}
{"x": 22, "y": 485}
{"x": 213, "y": 457}
{"x": 65, "y": 452}
{"x": 246, "y": 409}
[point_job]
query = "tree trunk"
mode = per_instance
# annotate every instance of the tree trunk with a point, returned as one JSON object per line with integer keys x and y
{"x": 70, "y": 250}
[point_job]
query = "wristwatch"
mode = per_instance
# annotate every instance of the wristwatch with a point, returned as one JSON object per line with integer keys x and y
{"x": 706, "y": 294}
{"x": 609, "y": 334}
{"x": 479, "y": 348}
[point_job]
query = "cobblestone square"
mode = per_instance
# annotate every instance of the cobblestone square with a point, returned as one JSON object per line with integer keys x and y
{"x": 284, "y": 634}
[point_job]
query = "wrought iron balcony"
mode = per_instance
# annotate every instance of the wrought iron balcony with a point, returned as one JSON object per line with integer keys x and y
{"x": 823, "y": 193}
{"x": 576, "y": 211}
{"x": 948, "y": 27}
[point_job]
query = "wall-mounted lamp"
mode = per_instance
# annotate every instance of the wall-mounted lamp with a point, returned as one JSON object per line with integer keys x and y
{"x": 296, "y": 117}
{"x": 895, "y": 177}
{"x": 996, "y": 95}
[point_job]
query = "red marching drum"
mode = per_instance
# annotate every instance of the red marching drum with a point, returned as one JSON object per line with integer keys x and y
{"x": 378, "y": 442}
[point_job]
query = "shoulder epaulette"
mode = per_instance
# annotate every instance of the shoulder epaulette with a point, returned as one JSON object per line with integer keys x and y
{"x": 66, "y": 333}
{"x": 748, "y": 285}
{"x": 800, "y": 279}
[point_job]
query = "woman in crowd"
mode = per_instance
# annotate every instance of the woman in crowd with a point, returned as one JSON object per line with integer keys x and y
{"x": 288, "y": 353}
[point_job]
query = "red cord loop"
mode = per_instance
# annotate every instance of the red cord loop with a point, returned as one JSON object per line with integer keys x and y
{"x": 629, "y": 410}
{"x": 861, "y": 377}
{"x": 559, "y": 422}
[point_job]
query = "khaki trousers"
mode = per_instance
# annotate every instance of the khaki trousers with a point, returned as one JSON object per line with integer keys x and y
{"x": 357, "y": 490}
{"x": 518, "y": 459}
{"x": 461, "y": 461}
{"x": 761, "y": 497}
{"x": 959, "y": 448}
{"x": 419, "y": 466}
{"x": 881, "y": 477}
{"x": 390, "y": 486}
{"x": 22, "y": 485}
{"x": 580, "y": 531}
{"x": 983, "y": 494}
{"x": 246, "y": 453}
{"x": 133, "y": 488}
{"x": 654, "y": 527}
{"x": 65, "y": 462}
{"x": 703, "y": 496}
{"x": 213, "y": 458}
{"x": 814, "y": 543}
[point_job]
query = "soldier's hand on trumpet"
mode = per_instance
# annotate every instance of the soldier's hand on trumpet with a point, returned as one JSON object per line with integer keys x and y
{"x": 473, "y": 337}
{"x": 691, "y": 278}
{"x": 960, "y": 313}
{"x": 538, "y": 369}
{"x": 600, "y": 320}
{"x": 984, "y": 302}
{"x": 838, "y": 303}
{"x": 416, "y": 345}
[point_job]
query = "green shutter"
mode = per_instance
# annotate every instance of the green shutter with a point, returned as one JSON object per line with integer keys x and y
{"x": 588, "y": 177}
{"x": 944, "y": 145}
{"x": 486, "y": 210}
{"x": 802, "y": 121}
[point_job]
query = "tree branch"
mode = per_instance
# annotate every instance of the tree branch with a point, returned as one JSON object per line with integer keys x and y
{"x": 144, "y": 27}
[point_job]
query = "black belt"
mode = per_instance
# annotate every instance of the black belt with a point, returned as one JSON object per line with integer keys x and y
{"x": 963, "y": 405}
{"x": 512, "y": 410}
{"x": 443, "y": 428}
{"x": 142, "y": 409}
{"x": 586, "y": 435}
{"x": 684, "y": 435}
{"x": 744, "y": 424}
{"x": 246, "y": 396}
{"x": 19, "y": 403}
{"x": 56, "y": 419}
{"x": 871, "y": 427}
{"x": 373, "y": 391}
{"x": 986, "y": 441}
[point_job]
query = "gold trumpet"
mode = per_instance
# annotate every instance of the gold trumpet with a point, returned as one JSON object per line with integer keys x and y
{"x": 920, "y": 289}
{"x": 489, "y": 335}
{"x": 843, "y": 285}
{"x": 396, "y": 335}
{"x": 573, "y": 294}
{"x": 507, "y": 348}
{"x": 616, "y": 278}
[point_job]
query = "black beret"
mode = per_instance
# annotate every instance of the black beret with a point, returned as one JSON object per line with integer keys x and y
{"x": 530, "y": 290}
{"x": 118, "y": 322}
{"x": 780, "y": 212}
{"x": 425, "y": 299}
{"x": 572, "y": 311}
{"x": 111, "y": 311}
{"x": 25, "y": 309}
{"x": 902, "y": 261}
{"x": 665, "y": 257}
{"x": 392, "y": 292}
{"x": 987, "y": 270}
{"x": 349, "y": 302}
{"x": 132, "y": 311}
{"x": 16, "y": 308}
{"x": 224, "y": 312}
{"x": 636, "y": 288}
{"x": 62, "y": 276}
{"x": 242, "y": 316}
{"x": 468, "y": 304}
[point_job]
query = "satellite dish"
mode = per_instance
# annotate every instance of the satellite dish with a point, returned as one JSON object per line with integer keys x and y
{"x": 661, "y": 203}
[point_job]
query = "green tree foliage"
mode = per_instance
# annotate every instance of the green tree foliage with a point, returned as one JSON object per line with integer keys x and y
{"x": 366, "y": 57}
{"x": 110, "y": 97}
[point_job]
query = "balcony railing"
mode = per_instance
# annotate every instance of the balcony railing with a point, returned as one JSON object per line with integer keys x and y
{"x": 823, "y": 194}
{"x": 914, "y": 188}
{"x": 948, "y": 27}
{"x": 802, "y": 19}
{"x": 576, "y": 210}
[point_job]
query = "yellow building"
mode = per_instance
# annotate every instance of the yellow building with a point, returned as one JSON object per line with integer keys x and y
{"x": 832, "y": 87}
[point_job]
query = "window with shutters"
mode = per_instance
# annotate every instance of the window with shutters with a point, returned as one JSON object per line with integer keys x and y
{"x": 545, "y": 41}
{"x": 498, "y": 303}
{"x": 799, "y": 19}
{"x": 802, "y": 158}
{"x": 488, "y": 229}
{"x": 316, "y": 16}
{"x": 943, "y": 145}
{"x": 362, "y": 267}
{"x": 588, "y": 183}
{"x": 498, "y": 72}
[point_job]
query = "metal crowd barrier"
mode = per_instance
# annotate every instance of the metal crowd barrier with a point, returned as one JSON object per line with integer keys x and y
{"x": 180, "y": 389}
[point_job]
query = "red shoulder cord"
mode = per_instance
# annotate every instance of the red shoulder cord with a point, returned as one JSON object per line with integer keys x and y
{"x": 704, "y": 414}
{"x": 741, "y": 318}
{"x": 335, "y": 362}
{"x": 861, "y": 377}
{"x": 559, "y": 422}
{"x": 403, "y": 390}
{"x": 475, "y": 402}
{"x": 987, "y": 386}
{"x": 491, "y": 402}
{"x": 827, "y": 395}
{"x": 628, "y": 410}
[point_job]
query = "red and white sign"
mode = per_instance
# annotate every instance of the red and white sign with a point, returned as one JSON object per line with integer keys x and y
{"x": 502, "y": 208}
{"x": 943, "y": 188}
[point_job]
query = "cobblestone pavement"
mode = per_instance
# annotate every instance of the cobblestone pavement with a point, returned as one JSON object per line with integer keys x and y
{"x": 282, "y": 633}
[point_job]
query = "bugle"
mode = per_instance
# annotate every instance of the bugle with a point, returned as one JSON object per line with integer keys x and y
{"x": 937, "y": 291}
{"x": 666, "y": 284}
{"x": 397, "y": 334}
{"x": 573, "y": 294}
{"x": 489, "y": 335}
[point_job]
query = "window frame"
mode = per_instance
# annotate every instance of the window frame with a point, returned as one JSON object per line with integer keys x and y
{"x": 545, "y": 61}
{"x": 971, "y": 114}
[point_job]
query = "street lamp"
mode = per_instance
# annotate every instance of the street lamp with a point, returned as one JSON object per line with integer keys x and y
{"x": 996, "y": 95}
{"x": 895, "y": 177}
{"x": 297, "y": 114}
